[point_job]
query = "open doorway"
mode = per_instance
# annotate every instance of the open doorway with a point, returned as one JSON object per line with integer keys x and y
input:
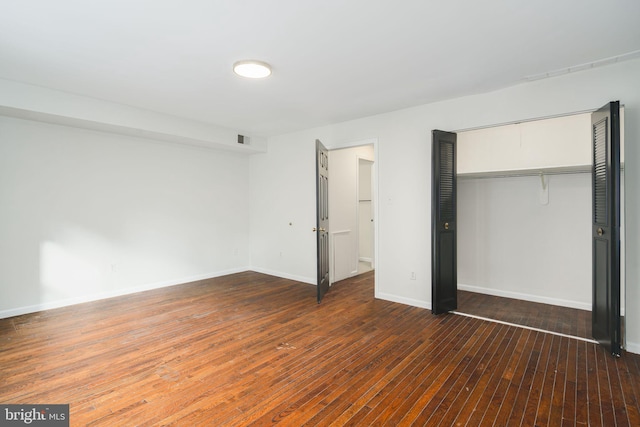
{"x": 351, "y": 209}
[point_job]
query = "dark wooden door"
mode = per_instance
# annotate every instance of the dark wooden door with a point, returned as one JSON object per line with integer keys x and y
{"x": 322, "y": 218}
{"x": 605, "y": 314}
{"x": 444, "y": 276}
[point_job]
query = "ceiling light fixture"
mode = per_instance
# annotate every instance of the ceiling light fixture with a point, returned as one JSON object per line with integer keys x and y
{"x": 252, "y": 69}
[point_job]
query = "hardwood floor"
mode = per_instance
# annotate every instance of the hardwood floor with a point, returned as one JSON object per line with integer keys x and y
{"x": 250, "y": 349}
{"x": 564, "y": 320}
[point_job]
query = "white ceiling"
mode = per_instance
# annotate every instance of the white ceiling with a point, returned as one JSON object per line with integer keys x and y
{"x": 333, "y": 60}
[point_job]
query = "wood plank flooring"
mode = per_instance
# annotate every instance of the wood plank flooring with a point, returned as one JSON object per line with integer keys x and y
{"x": 564, "y": 320}
{"x": 251, "y": 349}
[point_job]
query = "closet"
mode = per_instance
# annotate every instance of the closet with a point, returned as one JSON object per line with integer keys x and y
{"x": 524, "y": 194}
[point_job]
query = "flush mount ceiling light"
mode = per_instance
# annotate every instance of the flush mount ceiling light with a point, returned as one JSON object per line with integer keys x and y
{"x": 252, "y": 69}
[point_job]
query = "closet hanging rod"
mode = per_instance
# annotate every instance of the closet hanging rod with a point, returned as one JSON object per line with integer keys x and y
{"x": 525, "y": 173}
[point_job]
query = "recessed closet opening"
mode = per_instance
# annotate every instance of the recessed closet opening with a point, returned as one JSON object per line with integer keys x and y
{"x": 524, "y": 206}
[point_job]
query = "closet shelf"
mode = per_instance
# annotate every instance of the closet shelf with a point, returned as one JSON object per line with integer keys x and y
{"x": 557, "y": 170}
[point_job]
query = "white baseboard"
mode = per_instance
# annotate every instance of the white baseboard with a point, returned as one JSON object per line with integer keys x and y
{"x": 402, "y": 300}
{"x": 309, "y": 280}
{"x": 351, "y": 274}
{"x": 115, "y": 293}
{"x": 365, "y": 259}
{"x": 525, "y": 297}
{"x": 632, "y": 347}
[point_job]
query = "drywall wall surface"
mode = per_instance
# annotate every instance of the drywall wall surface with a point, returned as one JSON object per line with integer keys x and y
{"x": 283, "y": 194}
{"x": 403, "y": 167}
{"x": 510, "y": 244}
{"x": 88, "y": 214}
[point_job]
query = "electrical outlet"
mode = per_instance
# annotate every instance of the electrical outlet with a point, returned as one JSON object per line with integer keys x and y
{"x": 413, "y": 275}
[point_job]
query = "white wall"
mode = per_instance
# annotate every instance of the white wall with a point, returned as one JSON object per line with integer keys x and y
{"x": 88, "y": 214}
{"x": 343, "y": 209}
{"x": 283, "y": 215}
{"x": 403, "y": 163}
{"x": 510, "y": 244}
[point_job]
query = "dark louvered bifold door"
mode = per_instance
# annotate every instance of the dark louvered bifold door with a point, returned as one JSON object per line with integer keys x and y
{"x": 444, "y": 278}
{"x": 605, "y": 315}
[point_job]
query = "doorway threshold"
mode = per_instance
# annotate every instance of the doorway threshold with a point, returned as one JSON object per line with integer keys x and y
{"x": 531, "y": 328}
